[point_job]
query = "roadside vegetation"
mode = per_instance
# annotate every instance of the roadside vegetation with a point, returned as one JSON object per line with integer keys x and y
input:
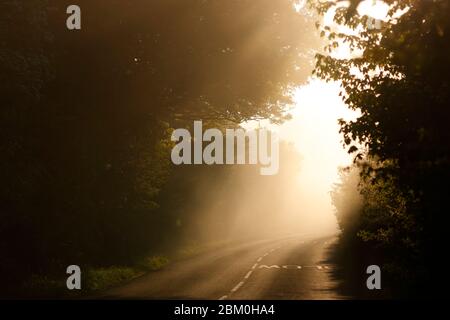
{"x": 398, "y": 79}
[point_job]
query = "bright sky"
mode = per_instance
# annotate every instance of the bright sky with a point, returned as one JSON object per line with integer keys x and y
{"x": 314, "y": 130}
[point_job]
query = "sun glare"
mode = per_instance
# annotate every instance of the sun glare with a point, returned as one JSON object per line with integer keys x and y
{"x": 314, "y": 131}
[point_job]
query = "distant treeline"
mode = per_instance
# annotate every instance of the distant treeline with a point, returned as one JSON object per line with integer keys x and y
{"x": 400, "y": 83}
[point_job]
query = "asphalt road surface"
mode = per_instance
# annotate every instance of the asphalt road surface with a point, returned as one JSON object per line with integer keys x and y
{"x": 286, "y": 268}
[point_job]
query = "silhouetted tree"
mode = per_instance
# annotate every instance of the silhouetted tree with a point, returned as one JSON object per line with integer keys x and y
{"x": 399, "y": 81}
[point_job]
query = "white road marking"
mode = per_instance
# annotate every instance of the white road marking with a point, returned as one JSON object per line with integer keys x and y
{"x": 251, "y": 271}
{"x": 236, "y": 288}
{"x": 269, "y": 267}
{"x": 291, "y": 266}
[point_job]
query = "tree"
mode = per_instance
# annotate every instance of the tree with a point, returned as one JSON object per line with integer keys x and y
{"x": 399, "y": 81}
{"x": 87, "y": 114}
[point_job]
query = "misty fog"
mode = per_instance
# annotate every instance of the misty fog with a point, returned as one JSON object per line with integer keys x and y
{"x": 235, "y": 202}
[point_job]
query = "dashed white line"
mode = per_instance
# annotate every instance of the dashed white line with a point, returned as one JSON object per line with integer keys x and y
{"x": 291, "y": 266}
{"x": 236, "y": 288}
{"x": 269, "y": 267}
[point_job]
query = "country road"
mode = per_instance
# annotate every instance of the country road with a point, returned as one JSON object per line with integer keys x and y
{"x": 287, "y": 268}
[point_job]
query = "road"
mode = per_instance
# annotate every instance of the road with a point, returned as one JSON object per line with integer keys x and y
{"x": 286, "y": 268}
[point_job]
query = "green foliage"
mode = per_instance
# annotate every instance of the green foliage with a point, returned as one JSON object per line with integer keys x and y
{"x": 209, "y": 60}
{"x": 154, "y": 263}
{"x": 378, "y": 227}
{"x": 104, "y": 278}
{"x": 385, "y": 219}
{"x": 43, "y": 285}
{"x": 398, "y": 78}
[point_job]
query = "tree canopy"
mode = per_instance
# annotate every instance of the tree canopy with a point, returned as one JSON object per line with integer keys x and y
{"x": 86, "y": 115}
